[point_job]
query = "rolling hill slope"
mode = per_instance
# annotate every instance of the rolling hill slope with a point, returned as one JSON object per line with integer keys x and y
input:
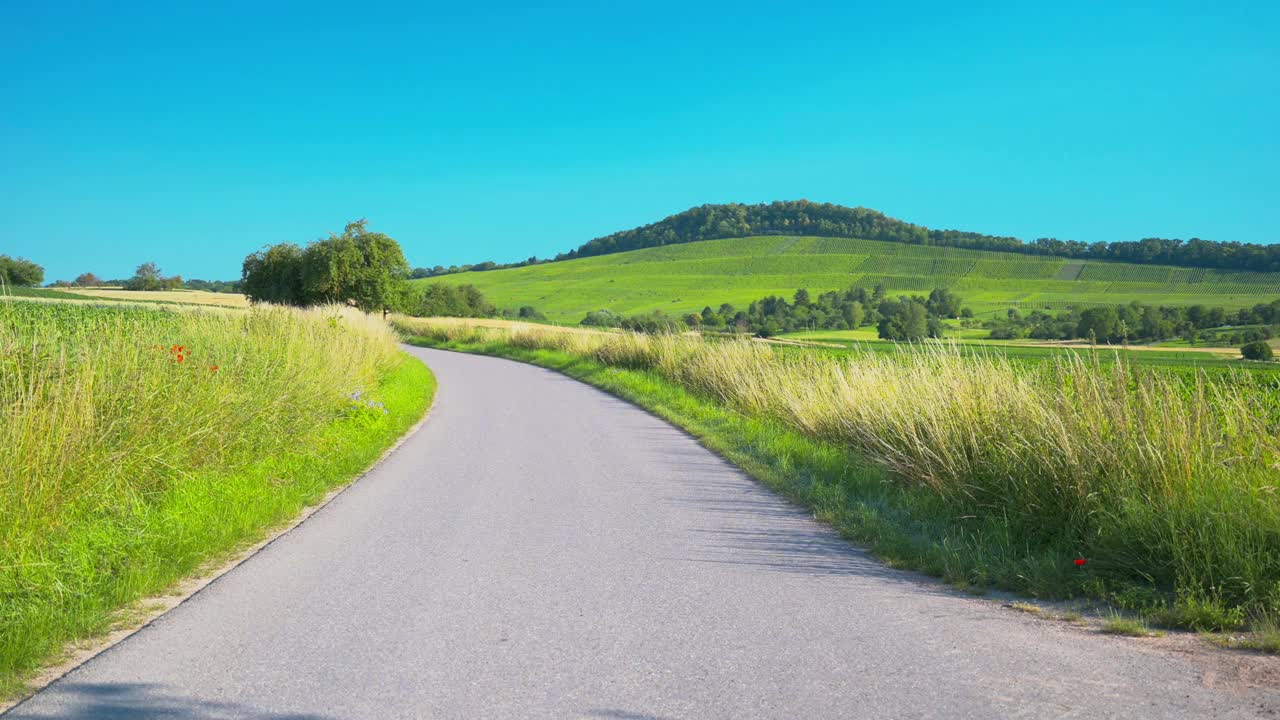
{"x": 687, "y": 277}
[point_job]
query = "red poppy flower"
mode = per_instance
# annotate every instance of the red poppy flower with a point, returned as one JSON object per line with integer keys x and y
{"x": 1079, "y": 562}
{"x": 213, "y": 368}
{"x": 181, "y": 357}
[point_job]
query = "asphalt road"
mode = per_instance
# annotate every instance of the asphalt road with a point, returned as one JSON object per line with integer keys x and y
{"x": 542, "y": 550}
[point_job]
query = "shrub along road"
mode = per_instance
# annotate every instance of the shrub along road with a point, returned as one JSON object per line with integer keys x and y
{"x": 541, "y": 549}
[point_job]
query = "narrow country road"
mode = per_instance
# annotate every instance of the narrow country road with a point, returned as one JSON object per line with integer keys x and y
{"x": 542, "y": 550}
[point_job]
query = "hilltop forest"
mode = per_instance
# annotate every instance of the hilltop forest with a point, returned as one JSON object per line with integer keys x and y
{"x": 801, "y": 217}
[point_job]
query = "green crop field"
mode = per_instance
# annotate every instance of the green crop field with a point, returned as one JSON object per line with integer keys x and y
{"x": 864, "y": 340}
{"x": 685, "y": 278}
{"x": 43, "y": 293}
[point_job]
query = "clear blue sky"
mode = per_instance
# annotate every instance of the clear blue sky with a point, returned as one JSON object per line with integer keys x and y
{"x": 192, "y": 136}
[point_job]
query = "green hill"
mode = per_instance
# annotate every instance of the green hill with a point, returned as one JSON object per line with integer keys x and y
{"x": 687, "y": 277}
{"x": 804, "y": 218}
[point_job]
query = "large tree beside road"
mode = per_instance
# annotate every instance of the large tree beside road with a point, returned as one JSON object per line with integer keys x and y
{"x": 360, "y": 267}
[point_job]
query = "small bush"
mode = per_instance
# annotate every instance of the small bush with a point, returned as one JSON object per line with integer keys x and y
{"x": 602, "y": 318}
{"x": 1257, "y": 350}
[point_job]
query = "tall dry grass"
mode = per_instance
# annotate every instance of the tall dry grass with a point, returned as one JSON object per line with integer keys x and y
{"x": 112, "y": 417}
{"x": 98, "y": 410}
{"x": 1156, "y": 475}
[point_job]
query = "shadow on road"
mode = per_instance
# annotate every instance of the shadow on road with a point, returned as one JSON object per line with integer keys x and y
{"x": 622, "y": 715}
{"x": 747, "y": 524}
{"x": 142, "y": 701}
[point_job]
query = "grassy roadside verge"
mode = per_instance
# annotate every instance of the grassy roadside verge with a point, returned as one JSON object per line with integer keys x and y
{"x": 127, "y": 469}
{"x": 907, "y": 524}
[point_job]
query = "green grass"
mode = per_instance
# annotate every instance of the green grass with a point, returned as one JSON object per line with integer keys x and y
{"x": 127, "y": 469}
{"x": 983, "y": 471}
{"x": 685, "y": 278}
{"x": 1127, "y": 626}
{"x": 840, "y": 337}
{"x": 46, "y": 293}
{"x": 866, "y": 340}
{"x": 1264, "y": 638}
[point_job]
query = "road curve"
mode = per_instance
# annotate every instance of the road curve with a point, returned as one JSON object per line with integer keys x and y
{"x": 542, "y": 550}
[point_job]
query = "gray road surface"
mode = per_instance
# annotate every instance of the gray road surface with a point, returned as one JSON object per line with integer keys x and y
{"x": 542, "y": 550}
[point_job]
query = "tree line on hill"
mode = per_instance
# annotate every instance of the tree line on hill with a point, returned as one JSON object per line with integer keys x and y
{"x": 904, "y": 318}
{"x": 421, "y": 272}
{"x": 1139, "y": 322}
{"x": 801, "y": 217}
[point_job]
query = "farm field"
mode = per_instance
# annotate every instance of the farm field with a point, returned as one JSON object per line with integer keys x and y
{"x": 685, "y": 278}
{"x": 1213, "y": 361}
{"x": 120, "y": 295}
{"x": 186, "y": 297}
{"x": 38, "y": 293}
{"x": 1153, "y": 355}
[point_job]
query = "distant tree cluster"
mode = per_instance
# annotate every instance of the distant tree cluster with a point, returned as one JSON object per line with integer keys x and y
{"x": 905, "y": 318}
{"x": 435, "y": 300}
{"x": 524, "y": 312}
{"x": 438, "y": 270}
{"x": 655, "y": 322}
{"x": 801, "y": 217}
{"x": 149, "y": 278}
{"x": 364, "y": 268}
{"x": 20, "y": 272}
{"x": 220, "y": 286}
{"x": 449, "y": 301}
{"x": 1139, "y": 322}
